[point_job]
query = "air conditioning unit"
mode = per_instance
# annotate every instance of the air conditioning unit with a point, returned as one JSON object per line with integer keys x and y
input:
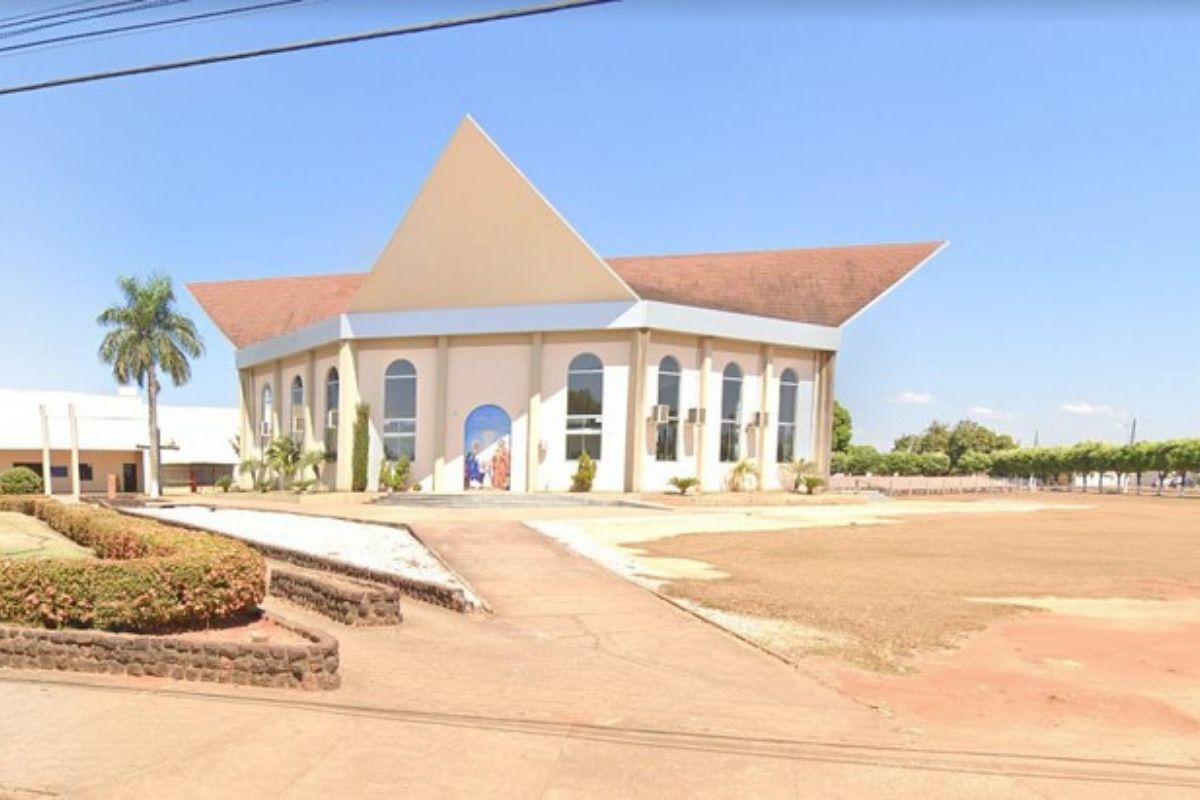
{"x": 695, "y": 416}
{"x": 298, "y": 426}
{"x": 761, "y": 419}
{"x": 264, "y": 430}
{"x": 331, "y": 418}
{"x": 660, "y": 414}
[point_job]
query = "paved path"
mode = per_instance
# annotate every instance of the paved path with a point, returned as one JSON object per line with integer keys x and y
{"x": 579, "y": 685}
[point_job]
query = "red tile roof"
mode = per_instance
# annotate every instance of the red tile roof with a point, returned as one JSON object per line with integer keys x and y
{"x": 253, "y": 310}
{"x": 819, "y": 285}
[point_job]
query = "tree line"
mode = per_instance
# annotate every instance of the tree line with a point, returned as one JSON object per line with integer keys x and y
{"x": 970, "y": 448}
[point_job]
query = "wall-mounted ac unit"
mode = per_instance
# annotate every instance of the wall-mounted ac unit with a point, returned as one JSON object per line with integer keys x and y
{"x": 695, "y": 416}
{"x": 264, "y": 430}
{"x": 331, "y": 418}
{"x": 761, "y": 419}
{"x": 298, "y": 425}
{"x": 660, "y": 414}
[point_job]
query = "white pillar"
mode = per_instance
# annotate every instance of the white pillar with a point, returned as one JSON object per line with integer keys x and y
{"x": 635, "y": 429}
{"x": 441, "y": 382}
{"x": 823, "y": 412}
{"x": 533, "y": 433}
{"x": 47, "y": 478}
{"x": 348, "y": 400}
{"x": 767, "y": 374}
{"x": 701, "y": 431}
{"x": 74, "y": 452}
{"x": 310, "y": 394}
{"x": 246, "y": 438}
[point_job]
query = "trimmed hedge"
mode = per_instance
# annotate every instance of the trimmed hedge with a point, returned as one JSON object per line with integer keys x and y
{"x": 20, "y": 480}
{"x": 150, "y": 577}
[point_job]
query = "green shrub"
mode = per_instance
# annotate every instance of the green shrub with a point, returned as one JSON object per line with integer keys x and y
{"x": 812, "y": 483}
{"x": 393, "y": 475}
{"x": 742, "y": 474}
{"x": 224, "y": 482}
{"x": 684, "y": 484}
{"x": 20, "y": 480}
{"x": 150, "y": 576}
{"x": 362, "y": 441}
{"x": 585, "y": 473}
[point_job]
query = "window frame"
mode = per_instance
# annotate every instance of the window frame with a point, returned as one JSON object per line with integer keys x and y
{"x": 786, "y": 430}
{"x": 266, "y": 409}
{"x": 297, "y": 409}
{"x": 582, "y": 429}
{"x": 400, "y": 433}
{"x": 332, "y": 410}
{"x": 666, "y": 435}
{"x": 730, "y": 439}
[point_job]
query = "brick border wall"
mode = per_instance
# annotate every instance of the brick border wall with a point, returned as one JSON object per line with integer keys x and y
{"x": 298, "y": 666}
{"x": 364, "y": 605}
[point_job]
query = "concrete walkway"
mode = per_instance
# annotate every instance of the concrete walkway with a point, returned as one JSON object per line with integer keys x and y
{"x": 579, "y": 685}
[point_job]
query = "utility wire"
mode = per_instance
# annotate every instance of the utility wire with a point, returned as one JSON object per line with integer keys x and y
{"x": 311, "y": 44}
{"x": 125, "y": 8}
{"x": 159, "y": 23}
{"x": 21, "y": 19}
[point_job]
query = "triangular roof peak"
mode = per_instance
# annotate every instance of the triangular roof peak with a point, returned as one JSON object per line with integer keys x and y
{"x": 480, "y": 234}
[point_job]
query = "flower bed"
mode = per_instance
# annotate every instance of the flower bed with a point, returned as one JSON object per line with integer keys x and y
{"x": 150, "y": 576}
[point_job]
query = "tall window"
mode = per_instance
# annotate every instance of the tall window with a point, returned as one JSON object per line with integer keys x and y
{"x": 669, "y": 377}
{"x": 332, "y": 398}
{"x": 297, "y": 429}
{"x": 400, "y": 410}
{"x": 585, "y": 406}
{"x": 731, "y": 412}
{"x": 789, "y": 393}
{"x": 265, "y": 428}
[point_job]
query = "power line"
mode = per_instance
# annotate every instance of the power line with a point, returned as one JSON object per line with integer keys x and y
{"x": 311, "y": 44}
{"x": 127, "y": 7}
{"x": 21, "y": 19}
{"x": 141, "y": 26}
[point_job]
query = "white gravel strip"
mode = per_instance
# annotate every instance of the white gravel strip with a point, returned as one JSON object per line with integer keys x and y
{"x": 378, "y": 547}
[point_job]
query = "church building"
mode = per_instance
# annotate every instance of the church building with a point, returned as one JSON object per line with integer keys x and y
{"x": 493, "y": 346}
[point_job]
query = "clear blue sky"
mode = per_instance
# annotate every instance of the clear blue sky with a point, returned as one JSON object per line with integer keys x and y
{"x": 1059, "y": 152}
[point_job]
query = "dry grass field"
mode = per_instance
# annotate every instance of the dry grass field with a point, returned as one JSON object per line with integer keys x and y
{"x": 882, "y": 594}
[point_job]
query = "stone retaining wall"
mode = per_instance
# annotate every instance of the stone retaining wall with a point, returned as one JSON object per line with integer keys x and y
{"x": 360, "y": 603}
{"x": 303, "y": 666}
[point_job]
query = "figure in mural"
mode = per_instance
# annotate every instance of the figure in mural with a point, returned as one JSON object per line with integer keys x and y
{"x": 473, "y": 474}
{"x": 487, "y": 461}
{"x": 500, "y": 466}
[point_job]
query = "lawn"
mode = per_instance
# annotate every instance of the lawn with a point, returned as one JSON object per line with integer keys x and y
{"x": 881, "y": 594}
{"x": 22, "y": 536}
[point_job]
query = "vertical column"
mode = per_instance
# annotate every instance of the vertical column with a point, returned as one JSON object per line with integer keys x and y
{"x": 533, "y": 432}
{"x": 441, "y": 397}
{"x": 74, "y": 452}
{"x": 246, "y": 421}
{"x": 823, "y": 411}
{"x": 47, "y": 478}
{"x": 310, "y": 401}
{"x": 705, "y": 357}
{"x": 348, "y": 400}
{"x": 635, "y": 426}
{"x": 766, "y": 369}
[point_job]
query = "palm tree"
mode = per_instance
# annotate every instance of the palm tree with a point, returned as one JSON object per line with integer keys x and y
{"x": 147, "y": 335}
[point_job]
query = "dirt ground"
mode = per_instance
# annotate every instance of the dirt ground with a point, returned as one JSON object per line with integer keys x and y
{"x": 890, "y": 592}
{"x": 1069, "y": 623}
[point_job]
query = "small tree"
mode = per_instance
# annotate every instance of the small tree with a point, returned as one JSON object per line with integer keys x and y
{"x": 283, "y": 457}
{"x": 812, "y": 483}
{"x": 741, "y": 473}
{"x": 362, "y": 442}
{"x": 314, "y": 460}
{"x": 20, "y": 480}
{"x": 393, "y": 475}
{"x": 799, "y": 469}
{"x": 585, "y": 473}
{"x": 683, "y": 484}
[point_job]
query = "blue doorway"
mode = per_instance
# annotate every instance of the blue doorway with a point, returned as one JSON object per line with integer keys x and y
{"x": 487, "y": 449}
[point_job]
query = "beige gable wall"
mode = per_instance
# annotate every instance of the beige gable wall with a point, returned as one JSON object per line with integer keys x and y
{"x": 480, "y": 234}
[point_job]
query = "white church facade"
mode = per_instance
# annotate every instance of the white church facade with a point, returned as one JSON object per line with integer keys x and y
{"x": 493, "y": 345}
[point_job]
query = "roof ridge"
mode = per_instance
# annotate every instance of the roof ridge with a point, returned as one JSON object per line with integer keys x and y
{"x": 761, "y": 251}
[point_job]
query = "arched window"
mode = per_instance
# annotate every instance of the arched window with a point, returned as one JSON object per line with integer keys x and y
{"x": 585, "y": 406}
{"x": 731, "y": 412}
{"x": 332, "y": 399}
{"x": 265, "y": 426}
{"x": 297, "y": 410}
{"x": 669, "y": 376}
{"x": 400, "y": 410}
{"x": 789, "y": 394}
